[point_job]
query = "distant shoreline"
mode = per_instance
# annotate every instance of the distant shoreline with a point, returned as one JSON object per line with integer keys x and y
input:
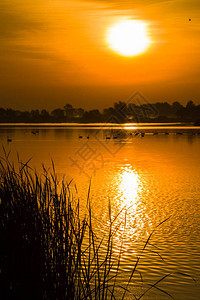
{"x": 94, "y": 124}
{"x": 120, "y": 113}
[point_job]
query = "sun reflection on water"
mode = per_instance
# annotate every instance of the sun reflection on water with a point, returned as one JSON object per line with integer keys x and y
{"x": 131, "y": 218}
{"x": 130, "y": 127}
{"x": 128, "y": 186}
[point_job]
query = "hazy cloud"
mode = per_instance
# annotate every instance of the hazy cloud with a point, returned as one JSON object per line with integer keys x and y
{"x": 28, "y": 52}
{"x": 54, "y": 44}
{"x": 149, "y": 2}
{"x": 178, "y": 4}
{"x": 14, "y": 22}
{"x": 136, "y": 2}
{"x": 17, "y": 26}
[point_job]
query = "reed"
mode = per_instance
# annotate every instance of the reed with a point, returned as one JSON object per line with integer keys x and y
{"x": 49, "y": 249}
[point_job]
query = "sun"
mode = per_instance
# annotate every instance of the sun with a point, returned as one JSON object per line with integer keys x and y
{"x": 128, "y": 38}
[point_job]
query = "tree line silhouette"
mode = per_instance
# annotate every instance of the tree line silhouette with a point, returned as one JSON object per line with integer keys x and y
{"x": 120, "y": 112}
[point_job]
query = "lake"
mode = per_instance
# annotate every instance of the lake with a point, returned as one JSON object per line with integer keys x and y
{"x": 148, "y": 178}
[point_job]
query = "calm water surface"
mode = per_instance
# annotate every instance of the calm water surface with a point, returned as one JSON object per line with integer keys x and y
{"x": 152, "y": 177}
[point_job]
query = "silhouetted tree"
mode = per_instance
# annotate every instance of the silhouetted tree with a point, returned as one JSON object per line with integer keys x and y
{"x": 190, "y": 105}
{"x": 176, "y": 106}
{"x": 58, "y": 113}
{"x": 45, "y": 117}
{"x": 121, "y": 112}
{"x": 2, "y": 115}
{"x": 25, "y": 116}
{"x": 182, "y": 114}
{"x": 78, "y": 112}
{"x": 44, "y": 113}
{"x": 69, "y": 111}
{"x": 93, "y": 116}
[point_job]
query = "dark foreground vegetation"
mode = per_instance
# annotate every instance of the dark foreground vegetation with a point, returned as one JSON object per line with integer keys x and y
{"x": 121, "y": 112}
{"x": 49, "y": 250}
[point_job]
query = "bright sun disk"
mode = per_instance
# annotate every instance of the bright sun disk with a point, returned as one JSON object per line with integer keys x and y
{"x": 128, "y": 38}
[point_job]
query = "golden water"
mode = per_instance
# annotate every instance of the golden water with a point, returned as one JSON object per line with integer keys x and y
{"x": 150, "y": 178}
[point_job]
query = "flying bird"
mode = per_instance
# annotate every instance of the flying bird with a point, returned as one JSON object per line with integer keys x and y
{"x": 190, "y": 20}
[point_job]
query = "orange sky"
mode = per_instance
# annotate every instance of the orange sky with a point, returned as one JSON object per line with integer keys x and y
{"x": 54, "y": 52}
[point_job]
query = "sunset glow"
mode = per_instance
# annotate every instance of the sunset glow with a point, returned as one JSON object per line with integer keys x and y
{"x": 128, "y": 38}
{"x": 99, "y": 156}
{"x": 102, "y": 50}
